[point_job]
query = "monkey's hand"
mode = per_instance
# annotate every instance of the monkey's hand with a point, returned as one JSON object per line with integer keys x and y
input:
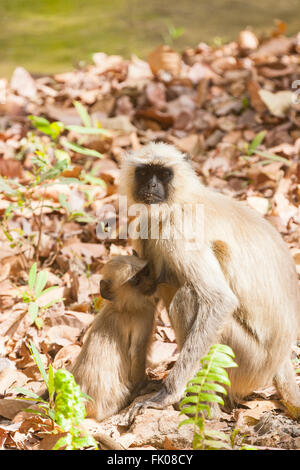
{"x": 147, "y": 386}
{"x": 159, "y": 401}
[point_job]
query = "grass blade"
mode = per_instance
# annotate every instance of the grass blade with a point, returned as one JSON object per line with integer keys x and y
{"x": 33, "y": 310}
{"x": 82, "y": 150}
{"x": 256, "y": 142}
{"x": 32, "y": 277}
{"x": 84, "y": 115}
{"x": 28, "y": 393}
{"x": 41, "y": 281}
{"x": 88, "y": 130}
{"x": 38, "y": 361}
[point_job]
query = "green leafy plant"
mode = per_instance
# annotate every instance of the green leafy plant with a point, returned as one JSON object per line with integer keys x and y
{"x": 55, "y": 130}
{"x": 218, "y": 41}
{"x": 203, "y": 391}
{"x": 252, "y": 149}
{"x": 237, "y": 441}
{"x": 172, "y": 34}
{"x": 49, "y": 161}
{"x": 36, "y": 284}
{"x": 79, "y": 216}
{"x": 65, "y": 406}
{"x": 45, "y": 408}
{"x": 70, "y": 412}
{"x": 48, "y": 165}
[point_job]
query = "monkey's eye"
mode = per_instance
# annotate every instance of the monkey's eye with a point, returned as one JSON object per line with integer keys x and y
{"x": 142, "y": 172}
{"x": 166, "y": 174}
{"x": 134, "y": 281}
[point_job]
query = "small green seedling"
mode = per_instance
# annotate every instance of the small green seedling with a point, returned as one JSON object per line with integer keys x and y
{"x": 79, "y": 216}
{"x": 65, "y": 406}
{"x": 55, "y": 130}
{"x": 252, "y": 149}
{"x": 36, "y": 284}
{"x": 45, "y": 408}
{"x": 172, "y": 34}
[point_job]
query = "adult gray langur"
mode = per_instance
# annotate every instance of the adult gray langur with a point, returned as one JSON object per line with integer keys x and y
{"x": 237, "y": 285}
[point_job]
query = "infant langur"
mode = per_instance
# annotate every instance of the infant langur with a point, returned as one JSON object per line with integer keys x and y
{"x": 111, "y": 365}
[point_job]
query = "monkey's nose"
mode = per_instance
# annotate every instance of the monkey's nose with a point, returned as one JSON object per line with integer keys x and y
{"x": 151, "y": 186}
{"x": 152, "y": 183}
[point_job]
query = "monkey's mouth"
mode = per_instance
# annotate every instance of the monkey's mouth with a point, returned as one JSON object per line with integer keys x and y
{"x": 151, "y": 198}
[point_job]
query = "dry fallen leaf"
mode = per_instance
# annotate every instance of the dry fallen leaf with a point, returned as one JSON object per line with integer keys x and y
{"x": 260, "y": 204}
{"x": 168, "y": 445}
{"x": 9, "y": 408}
{"x": 256, "y": 408}
{"x": 48, "y": 442}
{"x": 4, "y": 271}
{"x": 11, "y": 168}
{"x": 284, "y": 208}
{"x": 161, "y": 352}
{"x": 277, "y": 103}
{"x": 62, "y": 335}
{"x": 247, "y": 40}
{"x": 11, "y": 378}
{"x": 23, "y": 83}
{"x": 255, "y": 99}
{"x": 273, "y": 47}
{"x": 164, "y": 58}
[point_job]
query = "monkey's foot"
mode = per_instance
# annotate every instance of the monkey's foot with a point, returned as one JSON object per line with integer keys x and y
{"x": 159, "y": 401}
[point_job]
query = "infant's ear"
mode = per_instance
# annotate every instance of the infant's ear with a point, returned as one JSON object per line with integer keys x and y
{"x": 106, "y": 289}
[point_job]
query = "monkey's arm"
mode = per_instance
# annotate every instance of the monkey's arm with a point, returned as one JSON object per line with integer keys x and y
{"x": 208, "y": 293}
{"x": 140, "y": 340}
{"x": 138, "y": 364}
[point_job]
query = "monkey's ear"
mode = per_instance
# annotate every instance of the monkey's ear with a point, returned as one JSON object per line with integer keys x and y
{"x": 135, "y": 253}
{"x": 187, "y": 157}
{"x": 106, "y": 289}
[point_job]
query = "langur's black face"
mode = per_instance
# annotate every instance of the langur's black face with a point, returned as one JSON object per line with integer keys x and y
{"x": 143, "y": 282}
{"x": 152, "y": 183}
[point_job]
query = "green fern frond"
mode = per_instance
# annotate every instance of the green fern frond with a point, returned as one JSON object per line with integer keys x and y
{"x": 199, "y": 396}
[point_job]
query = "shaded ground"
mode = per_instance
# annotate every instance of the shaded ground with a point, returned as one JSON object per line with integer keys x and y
{"x": 233, "y": 108}
{"x": 51, "y": 36}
